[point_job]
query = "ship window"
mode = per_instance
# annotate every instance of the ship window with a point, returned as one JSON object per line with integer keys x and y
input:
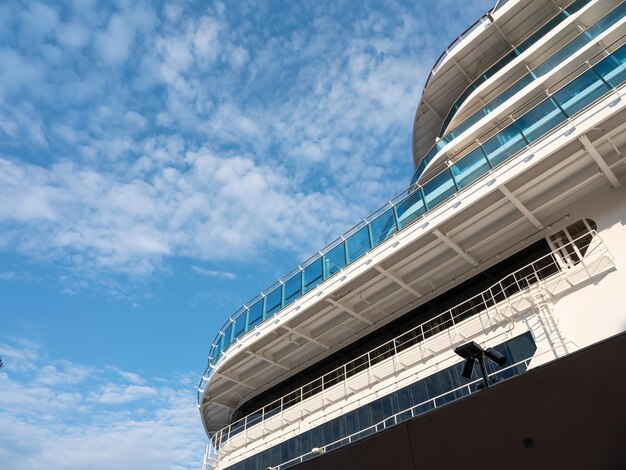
{"x": 335, "y": 259}
{"x": 293, "y": 288}
{"x": 439, "y": 189}
{"x": 383, "y": 227}
{"x": 580, "y": 92}
{"x": 351, "y": 425}
{"x": 410, "y": 208}
{"x": 574, "y": 240}
{"x": 358, "y": 244}
{"x": 312, "y": 275}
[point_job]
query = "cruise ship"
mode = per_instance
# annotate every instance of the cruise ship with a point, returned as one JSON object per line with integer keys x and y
{"x": 506, "y": 250}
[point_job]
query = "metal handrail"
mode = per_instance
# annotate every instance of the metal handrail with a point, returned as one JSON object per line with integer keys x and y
{"x": 506, "y": 287}
{"x": 413, "y": 410}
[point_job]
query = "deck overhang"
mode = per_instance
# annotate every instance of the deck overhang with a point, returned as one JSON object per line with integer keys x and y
{"x": 468, "y": 233}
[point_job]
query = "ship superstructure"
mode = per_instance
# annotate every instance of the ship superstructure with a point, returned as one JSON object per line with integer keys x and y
{"x": 512, "y": 234}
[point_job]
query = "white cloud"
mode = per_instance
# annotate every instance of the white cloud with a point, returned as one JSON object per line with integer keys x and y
{"x": 221, "y": 138}
{"x": 64, "y": 424}
{"x": 114, "y": 44}
{"x": 214, "y": 273}
{"x": 73, "y": 35}
{"x": 112, "y": 394}
{"x": 16, "y": 71}
{"x": 203, "y": 208}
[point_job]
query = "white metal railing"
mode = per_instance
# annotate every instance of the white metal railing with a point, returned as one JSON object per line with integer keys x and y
{"x": 413, "y": 411}
{"x": 497, "y": 304}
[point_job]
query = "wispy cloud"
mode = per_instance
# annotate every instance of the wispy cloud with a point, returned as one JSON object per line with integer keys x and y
{"x": 137, "y": 133}
{"x": 214, "y": 273}
{"x": 63, "y": 417}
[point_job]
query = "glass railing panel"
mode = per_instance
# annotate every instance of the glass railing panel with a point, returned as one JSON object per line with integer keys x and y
{"x": 613, "y": 68}
{"x": 358, "y": 244}
{"x": 383, "y": 226}
{"x": 240, "y": 324}
{"x": 579, "y": 93}
{"x": 227, "y": 338}
{"x": 217, "y": 348}
{"x": 335, "y": 259}
{"x": 504, "y": 144}
{"x": 470, "y": 167}
{"x": 313, "y": 275}
{"x": 255, "y": 314}
{"x": 410, "y": 208}
{"x": 543, "y": 117}
{"x": 273, "y": 302}
{"x": 438, "y": 189}
{"x": 293, "y": 288}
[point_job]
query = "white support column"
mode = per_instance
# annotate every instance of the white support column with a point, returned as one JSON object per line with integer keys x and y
{"x": 349, "y": 311}
{"x": 267, "y": 359}
{"x": 469, "y": 80}
{"x": 604, "y": 168}
{"x": 234, "y": 380}
{"x": 444, "y": 238}
{"x": 432, "y": 109}
{"x": 521, "y": 207}
{"x": 396, "y": 279}
{"x": 305, "y": 336}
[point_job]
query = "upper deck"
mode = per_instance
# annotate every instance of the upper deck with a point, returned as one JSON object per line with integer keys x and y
{"x": 464, "y": 61}
{"x": 422, "y": 242}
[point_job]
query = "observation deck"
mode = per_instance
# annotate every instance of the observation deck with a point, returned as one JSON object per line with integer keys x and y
{"x": 434, "y": 238}
{"x": 490, "y": 38}
{"x": 562, "y": 43}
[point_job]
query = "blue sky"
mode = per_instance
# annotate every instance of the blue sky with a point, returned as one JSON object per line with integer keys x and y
{"x": 160, "y": 164}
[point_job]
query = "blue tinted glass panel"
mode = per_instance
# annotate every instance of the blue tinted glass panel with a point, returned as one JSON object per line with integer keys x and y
{"x": 358, "y": 243}
{"x": 561, "y": 55}
{"x": 217, "y": 348}
{"x": 410, "y": 208}
{"x": 273, "y": 302}
{"x": 470, "y": 167}
{"x": 255, "y": 314}
{"x": 293, "y": 288}
{"x": 313, "y": 275}
{"x": 335, "y": 259}
{"x": 240, "y": 324}
{"x": 541, "y": 119}
{"x": 512, "y": 90}
{"x": 605, "y": 23}
{"x": 504, "y": 144}
{"x": 227, "y": 338}
{"x": 383, "y": 226}
{"x": 579, "y": 93}
{"x": 438, "y": 189}
{"x": 613, "y": 68}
